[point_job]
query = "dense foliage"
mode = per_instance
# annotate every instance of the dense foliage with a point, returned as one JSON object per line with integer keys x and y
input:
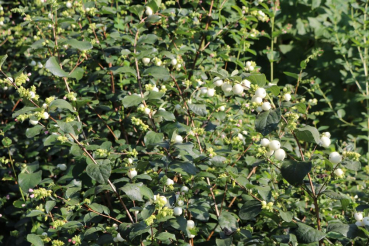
{"x": 214, "y": 122}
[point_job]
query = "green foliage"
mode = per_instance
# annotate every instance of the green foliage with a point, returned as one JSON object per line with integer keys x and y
{"x": 184, "y": 122}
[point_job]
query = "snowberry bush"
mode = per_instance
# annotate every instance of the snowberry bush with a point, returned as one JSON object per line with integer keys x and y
{"x": 153, "y": 122}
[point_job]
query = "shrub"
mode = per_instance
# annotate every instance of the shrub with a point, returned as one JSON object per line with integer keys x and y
{"x": 154, "y": 123}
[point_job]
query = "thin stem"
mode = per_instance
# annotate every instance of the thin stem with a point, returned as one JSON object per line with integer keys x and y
{"x": 15, "y": 174}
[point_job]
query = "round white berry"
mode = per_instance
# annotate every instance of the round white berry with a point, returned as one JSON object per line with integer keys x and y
{"x": 259, "y": 109}
{"x": 39, "y": 64}
{"x": 177, "y": 211}
{"x": 211, "y": 92}
{"x": 62, "y": 167}
{"x": 147, "y": 111}
{"x": 68, "y": 4}
{"x": 274, "y": 145}
{"x": 264, "y": 142}
{"x": 325, "y": 142}
{"x": 45, "y": 116}
{"x": 260, "y": 92}
{"x": 280, "y": 154}
{"x": 240, "y": 136}
{"x": 146, "y": 61}
{"x": 50, "y": 15}
{"x": 180, "y": 203}
{"x": 132, "y": 173}
{"x": 156, "y": 89}
{"x": 218, "y": 81}
{"x": 148, "y": 11}
{"x": 33, "y": 63}
{"x": 256, "y": 99}
{"x": 287, "y": 97}
{"x": 169, "y": 182}
{"x": 33, "y": 122}
{"x": 248, "y": 64}
{"x": 237, "y": 89}
{"x": 203, "y": 90}
{"x": 326, "y": 134}
{"x": 221, "y": 108}
{"x": 178, "y": 139}
{"x": 226, "y": 87}
{"x": 32, "y": 94}
{"x": 184, "y": 189}
{"x": 266, "y": 106}
{"x": 335, "y": 158}
{"x": 130, "y": 160}
{"x": 158, "y": 62}
{"x": 174, "y": 62}
{"x": 358, "y": 216}
{"x": 191, "y": 236}
{"x": 190, "y": 224}
{"x": 338, "y": 172}
{"x": 246, "y": 83}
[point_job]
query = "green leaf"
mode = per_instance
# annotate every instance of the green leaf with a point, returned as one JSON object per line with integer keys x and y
{"x": 157, "y": 72}
{"x": 350, "y": 231}
{"x": 250, "y": 210}
{"x": 72, "y": 225}
{"x": 258, "y": 79}
{"x": 293, "y": 75}
{"x": 286, "y": 216}
{"x": 77, "y": 73}
{"x": 307, "y": 234}
{"x": 137, "y": 191}
{"x": 168, "y": 116}
{"x": 335, "y": 195}
{"x": 268, "y": 121}
{"x": 81, "y": 45}
{"x": 35, "y": 240}
{"x": 228, "y": 221}
{"x": 130, "y": 101}
{"x": 165, "y": 236}
{"x": 224, "y": 242}
{"x": 6, "y": 142}
{"x": 34, "y": 213}
{"x": 29, "y": 180}
{"x": 308, "y": 134}
{"x": 49, "y": 206}
{"x": 99, "y": 172}
{"x": 66, "y": 127}
{"x": 33, "y": 131}
{"x": 294, "y": 172}
{"x": 198, "y": 109}
{"x": 301, "y": 108}
{"x": 50, "y": 140}
{"x": 185, "y": 168}
{"x": 2, "y": 60}
{"x": 275, "y": 90}
{"x": 53, "y": 66}
{"x": 352, "y": 165}
{"x": 60, "y": 103}
{"x": 152, "y": 138}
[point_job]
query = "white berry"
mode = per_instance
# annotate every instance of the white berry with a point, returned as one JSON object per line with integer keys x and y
{"x": 177, "y": 211}
{"x": 147, "y": 111}
{"x": 148, "y": 11}
{"x": 32, "y": 94}
{"x": 45, "y": 115}
{"x": 325, "y": 141}
{"x": 119, "y": 237}
{"x": 274, "y": 145}
{"x": 169, "y": 182}
{"x": 174, "y": 62}
{"x": 237, "y": 89}
{"x": 33, "y": 122}
{"x": 335, "y": 157}
{"x": 146, "y": 61}
{"x": 280, "y": 154}
{"x": 180, "y": 203}
{"x": 190, "y": 224}
{"x": 260, "y": 92}
{"x": 211, "y": 92}
{"x": 62, "y": 167}
{"x": 266, "y": 106}
{"x": 264, "y": 142}
{"x": 256, "y": 99}
{"x": 33, "y": 63}
{"x": 218, "y": 81}
{"x": 259, "y": 109}
{"x": 287, "y": 97}
{"x": 359, "y": 223}
{"x": 221, "y": 108}
{"x": 326, "y": 134}
{"x": 338, "y": 172}
{"x": 132, "y": 173}
{"x": 184, "y": 189}
{"x": 226, "y": 87}
{"x": 178, "y": 139}
{"x": 246, "y": 83}
{"x": 203, "y": 90}
{"x": 68, "y": 4}
{"x": 269, "y": 153}
{"x": 358, "y": 216}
